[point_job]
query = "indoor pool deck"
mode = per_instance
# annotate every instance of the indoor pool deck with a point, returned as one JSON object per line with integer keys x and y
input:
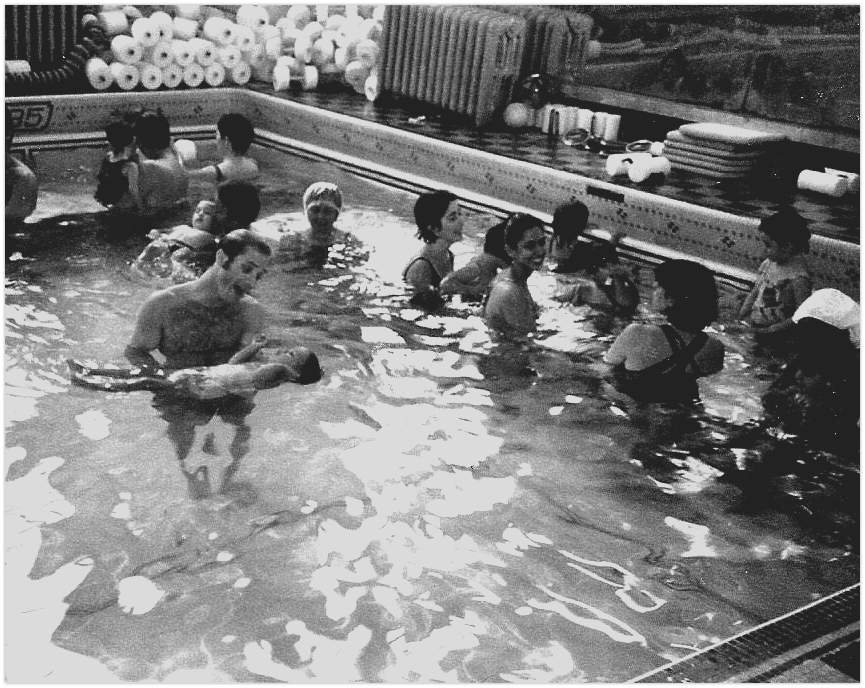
{"x": 819, "y": 643}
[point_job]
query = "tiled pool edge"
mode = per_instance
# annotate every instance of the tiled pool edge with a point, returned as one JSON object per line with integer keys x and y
{"x": 747, "y": 657}
{"x": 654, "y": 225}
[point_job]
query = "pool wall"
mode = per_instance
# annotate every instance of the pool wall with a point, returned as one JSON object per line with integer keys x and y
{"x": 656, "y": 227}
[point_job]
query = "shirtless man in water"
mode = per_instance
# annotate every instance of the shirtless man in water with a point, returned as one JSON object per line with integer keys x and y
{"x": 210, "y": 321}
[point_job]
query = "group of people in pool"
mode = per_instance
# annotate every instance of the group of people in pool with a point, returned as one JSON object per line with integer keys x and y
{"x": 209, "y": 318}
{"x": 650, "y": 362}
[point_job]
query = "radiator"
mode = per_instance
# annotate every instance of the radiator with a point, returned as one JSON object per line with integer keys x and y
{"x": 461, "y": 58}
{"x": 42, "y": 34}
{"x": 556, "y": 39}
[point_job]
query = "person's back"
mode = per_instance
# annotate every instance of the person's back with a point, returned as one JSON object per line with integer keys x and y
{"x": 235, "y": 135}
{"x": 653, "y": 363}
{"x": 473, "y": 280}
{"x": 163, "y": 181}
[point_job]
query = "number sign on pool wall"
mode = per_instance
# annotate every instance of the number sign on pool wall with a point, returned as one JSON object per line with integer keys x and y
{"x": 31, "y": 116}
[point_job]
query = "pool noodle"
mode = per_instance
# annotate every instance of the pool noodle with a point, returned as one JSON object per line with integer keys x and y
{"x": 187, "y": 11}
{"x": 145, "y": 32}
{"x": 228, "y": 56}
{"x": 370, "y": 88}
{"x": 185, "y": 29}
{"x": 273, "y": 47}
{"x": 126, "y": 76}
{"x": 241, "y": 73}
{"x": 164, "y": 24}
{"x": 820, "y": 182}
{"x": 619, "y": 163}
{"x": 113, "y": 23}
{"x": 203, "y": 50}
{"x": 98, "y": 74}
{"x": 193, "y": 75}
{"x": 244, "y": 38}
{"x": 126, "y": 49}
{"x": 220, "y": 31}
{"x": 266, "y": 32}
{"x": 611, "y": 128}
{"x": 172, "y": 75}
{"x": 214, "y": 74}
{"x": 281, "y": 77}
{"x": 252, "y": 16}
{"x": 255, "y": 56}
{"x": 151, "y": 76}
{"x": 182, "y": 53}
{"x": 584, "y": 119}
{"x": 18, "y": 67}
{"x": 160, "y": 54}
{"x": 599, "y": 122}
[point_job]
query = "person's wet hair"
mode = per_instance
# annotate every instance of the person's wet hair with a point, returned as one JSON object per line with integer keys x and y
{"x": 306, "y": 365}
{"x": 787, "y": 228}
{"x": 517, "y": 225}
{"x": 693, "y": 291}
{"x": 152, "y": 131}
{"x": 569, "y": 221}
{"x": 119, "y": 135}
{"x": 240, "y": 200}
{"x": 429, "y": 209}
{"x": 494, "y": 243}
{"x": 236, "y": 242}
{"x": 238, "y": 130}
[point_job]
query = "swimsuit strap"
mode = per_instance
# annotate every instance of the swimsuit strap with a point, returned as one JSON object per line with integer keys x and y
{"x": 683, "y": 354}
{"x": 219, "y": 175}
{"x": 436, "y": 277}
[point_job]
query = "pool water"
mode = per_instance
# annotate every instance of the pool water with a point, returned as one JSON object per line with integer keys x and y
{"x": 424, "y": 513}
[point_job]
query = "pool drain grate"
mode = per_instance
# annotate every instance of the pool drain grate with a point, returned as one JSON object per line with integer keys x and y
{"x": 810, "y": 625}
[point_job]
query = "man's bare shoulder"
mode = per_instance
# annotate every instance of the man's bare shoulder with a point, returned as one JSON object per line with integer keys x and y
{"x": 174, "y": 294}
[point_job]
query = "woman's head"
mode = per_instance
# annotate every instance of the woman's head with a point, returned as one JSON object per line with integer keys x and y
{"x": 237, "y": 130}
{"x": 238, "y": 204}
{"x": 787, "y": 230}
{"x": 152, "y": 132}
{"x": 690, "y": 295}
{"x": 526, "y": 240}
{"x": 438, "y": 213}
{"x": 569, "y": 222}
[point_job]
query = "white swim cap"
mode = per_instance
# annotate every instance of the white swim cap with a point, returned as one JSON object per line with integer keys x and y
{"x": 322, "y": 191}
{"x": 834, "y": 308}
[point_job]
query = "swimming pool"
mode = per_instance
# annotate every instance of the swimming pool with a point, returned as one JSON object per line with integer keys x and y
{"x": 421, "y": 514}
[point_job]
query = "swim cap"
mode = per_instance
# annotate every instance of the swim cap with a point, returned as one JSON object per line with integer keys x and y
{"x": 834, "y": 308}
{"x": 322, "y": 191}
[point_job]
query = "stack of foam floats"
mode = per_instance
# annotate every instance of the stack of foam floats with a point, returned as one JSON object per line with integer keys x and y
{"x": 196, "y": 45}
{"x": 720, "y": 151}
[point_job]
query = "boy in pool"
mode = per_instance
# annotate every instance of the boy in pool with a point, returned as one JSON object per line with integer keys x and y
{"x": 308, "y": 246}
{"x": 783, "y": 282}
{"x": 118, "y": 174}
{"x": 234, "y": 136}
{"x": 298, "y": 365}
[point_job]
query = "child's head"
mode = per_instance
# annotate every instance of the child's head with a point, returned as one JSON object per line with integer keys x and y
{"x": 690, "y": 295}
{"x": 303, "y": 365}
{"x": 569, "y": 222}
{"x": 204, "y": 215}
{"x": 152, "y": 131}
{"x": 237, "y": 130}
{"x": 787, "y": 230}
{"x": 120, "y": 136}
{"x": 238, "y": 205}
{"x": 322, "y": 203}
{"x": 601, "y": 255}
{"x": 494, "y": 243}
{"x": 430, "y": 211}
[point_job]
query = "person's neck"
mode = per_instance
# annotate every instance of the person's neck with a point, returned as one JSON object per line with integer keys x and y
{"x": 437, "y": 249}
{"x": 520, "y": 273}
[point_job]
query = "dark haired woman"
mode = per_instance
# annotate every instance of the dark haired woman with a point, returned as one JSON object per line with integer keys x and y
{"x": 439, "y": 221}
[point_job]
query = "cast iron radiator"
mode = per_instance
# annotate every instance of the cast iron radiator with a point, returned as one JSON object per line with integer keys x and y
{"x": 556, "y": 39}
{"x": 41, "y": 34}
{"x": 465, "y": 59}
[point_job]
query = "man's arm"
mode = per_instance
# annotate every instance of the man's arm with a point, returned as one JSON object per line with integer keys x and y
{"x": 147, "y": 334}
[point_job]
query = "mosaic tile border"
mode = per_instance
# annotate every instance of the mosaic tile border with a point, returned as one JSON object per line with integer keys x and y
{"x": 654, "y": 225}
